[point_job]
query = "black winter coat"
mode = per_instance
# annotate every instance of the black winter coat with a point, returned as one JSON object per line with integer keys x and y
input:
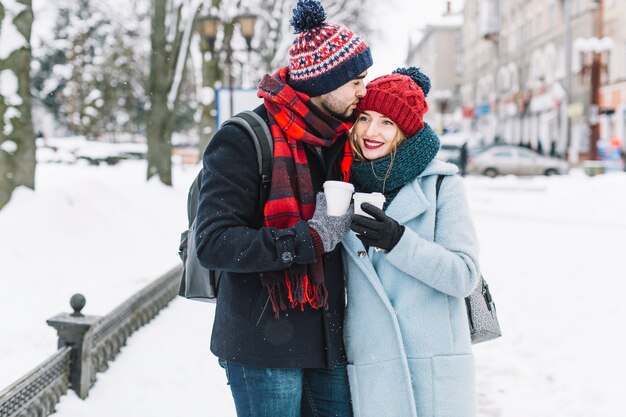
{"x": 245, "y": 330}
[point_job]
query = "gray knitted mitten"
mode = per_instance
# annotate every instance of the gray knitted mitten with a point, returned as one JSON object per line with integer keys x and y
{"x": 330, "y": 228}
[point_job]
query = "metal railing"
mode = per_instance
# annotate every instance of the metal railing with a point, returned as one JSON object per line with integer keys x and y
{"x": 86, "y": 345}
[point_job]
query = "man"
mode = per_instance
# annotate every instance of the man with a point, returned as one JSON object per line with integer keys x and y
{"x": 280, "y": 306}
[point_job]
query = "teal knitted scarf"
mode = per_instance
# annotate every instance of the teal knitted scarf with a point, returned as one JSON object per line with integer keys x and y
{"x": 389, "y": 174}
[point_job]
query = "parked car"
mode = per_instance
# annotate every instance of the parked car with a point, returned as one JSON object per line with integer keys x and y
{"x": 516, "y": 160}
{"x": 451, "y": 143}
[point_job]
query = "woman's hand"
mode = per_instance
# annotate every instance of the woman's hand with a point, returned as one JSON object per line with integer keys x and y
{"x": 382, "y": 231}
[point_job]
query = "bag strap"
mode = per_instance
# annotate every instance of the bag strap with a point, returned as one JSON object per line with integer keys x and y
{"x": 438, "y": 185}
{"x": 258, "y": 130}
{"x": 192, "y": 199}
{"x": 264, "y": 144}
{"x": 437, "y": 188}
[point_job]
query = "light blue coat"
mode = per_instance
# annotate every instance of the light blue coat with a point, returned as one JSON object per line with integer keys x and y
{"x": 406, "y": 330}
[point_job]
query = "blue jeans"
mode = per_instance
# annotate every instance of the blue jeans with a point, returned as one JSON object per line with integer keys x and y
{"x": 289, "y": 392}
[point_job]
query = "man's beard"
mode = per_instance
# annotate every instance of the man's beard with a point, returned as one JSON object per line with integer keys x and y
{"x": 341, "y": 115}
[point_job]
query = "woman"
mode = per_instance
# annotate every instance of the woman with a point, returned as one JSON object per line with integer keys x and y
{"x": 410, "y": 266}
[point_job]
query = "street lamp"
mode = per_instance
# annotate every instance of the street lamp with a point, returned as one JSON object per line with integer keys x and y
{"x": 592, "y": 52}
{"x": 594, "y": 48}
{"x": 247, "y": 23}
{"x": 209, "y": 26}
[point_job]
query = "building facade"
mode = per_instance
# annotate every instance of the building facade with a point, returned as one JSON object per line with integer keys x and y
{"x": 438, "y": 53}
{"x": 526, "y": 80}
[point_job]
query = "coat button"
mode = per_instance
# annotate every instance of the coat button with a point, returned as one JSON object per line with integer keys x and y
{"x": 286, "y": 257}
{"x": 361, "y": 254}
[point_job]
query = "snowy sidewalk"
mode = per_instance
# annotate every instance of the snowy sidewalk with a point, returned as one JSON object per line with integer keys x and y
{"x": 165, "y": 370}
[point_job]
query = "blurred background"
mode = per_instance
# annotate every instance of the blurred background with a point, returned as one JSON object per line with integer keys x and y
{"x": 106, "y": 106}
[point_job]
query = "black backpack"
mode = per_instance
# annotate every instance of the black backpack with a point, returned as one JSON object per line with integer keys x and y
{"x": 198, "y": 282}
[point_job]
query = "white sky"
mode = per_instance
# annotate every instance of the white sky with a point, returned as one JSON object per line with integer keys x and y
{"x": 551, "y": 250}
{"x": 399, "y": 18}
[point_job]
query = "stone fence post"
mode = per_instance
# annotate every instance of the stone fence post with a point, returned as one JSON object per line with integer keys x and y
{"x": 71, "y": 329}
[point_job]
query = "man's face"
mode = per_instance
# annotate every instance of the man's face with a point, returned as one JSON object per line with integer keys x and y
{"x": 342, "y": 102}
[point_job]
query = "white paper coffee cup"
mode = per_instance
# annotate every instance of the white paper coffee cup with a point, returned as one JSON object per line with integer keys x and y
{"x": 376, "y": 199}
{"x": 338, "y": 197}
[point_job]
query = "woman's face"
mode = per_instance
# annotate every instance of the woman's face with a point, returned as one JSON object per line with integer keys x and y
{"x": 375, "y": 134}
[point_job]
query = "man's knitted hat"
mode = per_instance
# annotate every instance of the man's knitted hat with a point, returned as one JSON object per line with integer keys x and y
{"x": 324, "y": 56}
{"x": 401, "y": 96}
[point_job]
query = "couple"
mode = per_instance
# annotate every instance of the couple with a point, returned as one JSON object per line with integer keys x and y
{"x": 279, "y": 328}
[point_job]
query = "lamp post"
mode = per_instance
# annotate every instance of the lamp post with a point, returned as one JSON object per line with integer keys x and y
{"x": 209, "y": 26}
{"x": 592, "y": 51}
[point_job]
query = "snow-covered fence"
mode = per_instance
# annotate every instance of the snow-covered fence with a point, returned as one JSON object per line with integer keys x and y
{"x": 37, "y": 393}
{"x": 86, "y": 345}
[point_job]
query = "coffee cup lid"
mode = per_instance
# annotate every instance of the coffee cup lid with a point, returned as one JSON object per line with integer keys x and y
{"x": 339, "y": 184}
{"x": 370, "y": 196}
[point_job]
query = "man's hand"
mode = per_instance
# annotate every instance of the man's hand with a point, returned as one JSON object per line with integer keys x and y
{"x": 330, "y": 228}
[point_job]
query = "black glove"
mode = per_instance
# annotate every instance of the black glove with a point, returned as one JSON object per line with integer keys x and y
{"x": 382, "y": 231}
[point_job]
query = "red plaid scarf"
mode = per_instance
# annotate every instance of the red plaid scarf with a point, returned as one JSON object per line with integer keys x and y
{"x": 292, "y": 123}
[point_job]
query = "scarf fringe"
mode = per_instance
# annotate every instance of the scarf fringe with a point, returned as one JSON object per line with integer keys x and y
{"x": 273, "y": 291}
{"x": 300, "y": 291}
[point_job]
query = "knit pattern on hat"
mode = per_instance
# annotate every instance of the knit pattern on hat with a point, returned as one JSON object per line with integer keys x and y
{"x": 398, "y": 97}
{"x": 409, "y": 161}
{"x": 324, "y": 56}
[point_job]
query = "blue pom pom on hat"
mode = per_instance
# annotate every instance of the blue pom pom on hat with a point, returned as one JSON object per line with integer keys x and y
{"x": 324, "y": 56}
{"x": 307, "y": 15}
{"x": 417, "y": 76}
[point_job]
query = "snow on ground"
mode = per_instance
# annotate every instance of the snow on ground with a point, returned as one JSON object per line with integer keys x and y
{"x": 551, "y": 250}
{"x": 101, "y": 231}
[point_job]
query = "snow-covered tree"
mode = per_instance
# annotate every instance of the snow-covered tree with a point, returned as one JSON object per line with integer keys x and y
{"x": 92, "y": 73}
{"x": 172, "y": 28}
{"x": 17, "y": 136}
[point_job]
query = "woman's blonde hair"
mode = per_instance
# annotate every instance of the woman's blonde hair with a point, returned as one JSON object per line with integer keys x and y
{"x": 356, "y": 149}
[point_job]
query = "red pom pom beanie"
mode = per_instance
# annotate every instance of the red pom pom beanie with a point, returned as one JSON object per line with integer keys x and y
{"x": 401, "y": 96}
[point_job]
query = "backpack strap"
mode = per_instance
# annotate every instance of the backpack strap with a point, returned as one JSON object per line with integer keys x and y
{"x": 258, "y": 130}
{"x": 263, "y": 143}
